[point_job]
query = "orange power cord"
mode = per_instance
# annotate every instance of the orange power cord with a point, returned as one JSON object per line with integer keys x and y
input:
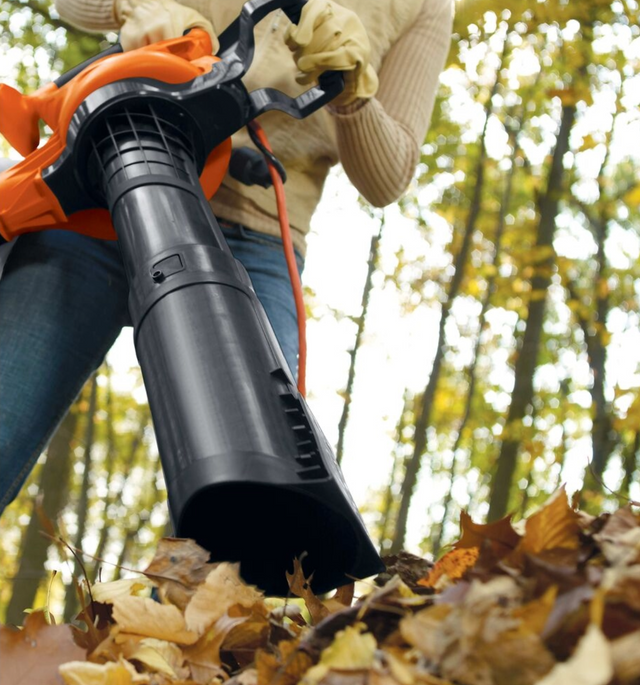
{"x": 290, "y": 257}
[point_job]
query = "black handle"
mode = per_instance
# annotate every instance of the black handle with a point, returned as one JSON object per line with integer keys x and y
{"x": 239, "y": 33}
{"x": 294, "y": 10}
{"x": 236, "y": 50}
{"x": 74, "y": 71}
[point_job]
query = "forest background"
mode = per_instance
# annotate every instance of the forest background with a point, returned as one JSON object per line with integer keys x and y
{"x": 471, "y": 348}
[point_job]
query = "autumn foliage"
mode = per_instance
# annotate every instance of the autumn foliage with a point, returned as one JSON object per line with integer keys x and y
{"x": 557, "y": 602}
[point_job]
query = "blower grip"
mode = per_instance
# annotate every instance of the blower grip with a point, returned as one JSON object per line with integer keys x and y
{"x": 294, "y": 10}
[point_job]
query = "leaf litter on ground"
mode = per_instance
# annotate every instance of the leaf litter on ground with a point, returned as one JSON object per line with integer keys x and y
{"x": 555, "y": 601}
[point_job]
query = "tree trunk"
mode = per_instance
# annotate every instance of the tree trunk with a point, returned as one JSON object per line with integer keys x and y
{"x": 389, "y": 497}
{"x": 71, "y": 598}
{"x": 127, "y": 467}
{"x": 528, "y": 354}
{"x": 471, "y": 372}
{"x": 630, "y": 464}
{"x": 353, "y": 354}
{"x": 53, "y": 488}
{"x": 425, "y": 405}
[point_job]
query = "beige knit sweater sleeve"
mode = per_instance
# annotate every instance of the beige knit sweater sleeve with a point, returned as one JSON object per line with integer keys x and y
{"x": 99, "y": 15}
{"x": 379, "y": 140}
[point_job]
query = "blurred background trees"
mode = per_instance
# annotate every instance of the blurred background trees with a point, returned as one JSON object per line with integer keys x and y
{"x": 513, "y": 261}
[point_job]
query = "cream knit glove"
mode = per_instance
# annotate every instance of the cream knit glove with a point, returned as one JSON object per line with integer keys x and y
{"x": 148, "y": 21}
{"x": 331, "y": 37}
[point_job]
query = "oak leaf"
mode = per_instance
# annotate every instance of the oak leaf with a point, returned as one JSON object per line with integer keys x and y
{"x": 31, "y": 655}
{"x": 301, "y": 587}
{"x": 178, "y": 568}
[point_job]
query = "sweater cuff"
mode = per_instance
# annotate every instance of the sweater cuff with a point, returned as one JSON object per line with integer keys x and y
{"x": 91, "y": 15}
{"x": 347, "y": 110}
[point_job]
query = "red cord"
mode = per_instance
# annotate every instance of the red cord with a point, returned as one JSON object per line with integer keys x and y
{"x": 289, "y": 254}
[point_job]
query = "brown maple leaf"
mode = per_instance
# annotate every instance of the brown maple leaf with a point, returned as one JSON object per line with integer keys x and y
{"x": 499, "y": 535}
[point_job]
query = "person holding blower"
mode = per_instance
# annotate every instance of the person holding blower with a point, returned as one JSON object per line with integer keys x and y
{"x": 63, "y": 296}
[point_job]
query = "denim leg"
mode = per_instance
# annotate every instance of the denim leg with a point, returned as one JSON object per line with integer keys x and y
{"x": 263, "y": 258}
{"x": 63, "y": 302}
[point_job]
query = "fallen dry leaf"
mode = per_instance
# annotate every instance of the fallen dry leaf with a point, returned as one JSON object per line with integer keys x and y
{"x": 500, "y": 609}
{"x": 284, "y": 667}
{"x": 534, "y": 615}
{"x": 481, "y": 639}
{"x": 143, "y": 616}
{"x": 622, "y": 584}
{"x": 554, "y": 525}
{"x": 158, "y": 656}
{"x": 178, "y": 568}
{"x": 591, "y": 663}
{"x": 203, "y": 657}
{"x": 301, "y": 587}
{"x": 31, "y": 655}
{"x": 352, "y": 650}
{"x": 105, "y": 593}
{"x": 625, "y": 653}
{"x": 619, "y": 540}
{"x": 86, "y": 673}
{"x": 221, "y": 590}
{"x": 409, "y": 567}
{"x": 499, "y": 535}
{"x": 452, "y": 566}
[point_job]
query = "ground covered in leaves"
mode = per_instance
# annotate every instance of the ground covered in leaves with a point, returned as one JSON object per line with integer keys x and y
{"x": 557, "y": 603}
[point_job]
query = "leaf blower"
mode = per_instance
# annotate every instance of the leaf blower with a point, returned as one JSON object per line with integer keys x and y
{"x": 140, "y": 141}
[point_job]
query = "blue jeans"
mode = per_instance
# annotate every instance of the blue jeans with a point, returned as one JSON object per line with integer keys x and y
{"x": 63, "y": 302}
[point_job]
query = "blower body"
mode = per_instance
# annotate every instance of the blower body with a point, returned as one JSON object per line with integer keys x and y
{"x": 249, "y": 474}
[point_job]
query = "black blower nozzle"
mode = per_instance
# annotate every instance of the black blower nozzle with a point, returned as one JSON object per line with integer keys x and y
{"x": 249, "y": 474}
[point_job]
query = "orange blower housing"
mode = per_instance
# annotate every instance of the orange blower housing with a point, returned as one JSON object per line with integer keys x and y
{"x": 29, "y": 203}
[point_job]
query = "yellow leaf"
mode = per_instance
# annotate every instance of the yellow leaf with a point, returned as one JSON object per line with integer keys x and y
{"x": 351, "y": 650}
{"x": 143, "y": 616}
{"x": 221, "y": 590}
{"x": 534, "y": 614}
{"x": 158, "y": 656}
{"x": 86, "y": 673}
{"x": 127, "y": 587}
{"x": 588, "y": 142}
{"x": 632, "y": 197}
